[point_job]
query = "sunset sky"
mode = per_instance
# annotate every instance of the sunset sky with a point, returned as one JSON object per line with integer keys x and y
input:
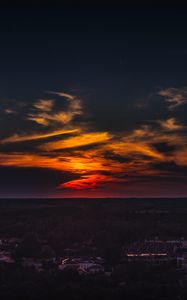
{"x": 93, "y": 99}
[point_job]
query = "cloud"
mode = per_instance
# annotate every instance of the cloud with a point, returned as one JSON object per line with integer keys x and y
{"x": 138, "y": 156}
{"x": 88, "y": 182}
{"x": 65, "y": 95}
{"x": 180, "y": 156}
{"x": 39, "y": 118}
{"x": 171, "y": 124}
{"x": 44, "y": 104}
{"x": 124, "y": 148}
{"x": 9, "y": 111}
{"x": 45, "y": 115}
{"x": 36, "y": 136}
{"x": 174, "y": 97}
{"x": 96, "y": 159}
{"x": 83, "y": 139}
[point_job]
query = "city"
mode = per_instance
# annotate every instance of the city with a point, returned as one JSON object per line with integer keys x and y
{"x": 69, "y": 247}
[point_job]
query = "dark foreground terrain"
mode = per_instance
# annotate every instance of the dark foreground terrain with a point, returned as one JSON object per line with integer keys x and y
{"x": 39, "y": 236}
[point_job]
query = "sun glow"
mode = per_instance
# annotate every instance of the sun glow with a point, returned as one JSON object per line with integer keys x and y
{"x": 95, "y": 158}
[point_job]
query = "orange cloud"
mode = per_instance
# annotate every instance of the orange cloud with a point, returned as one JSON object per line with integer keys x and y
{"x": 171, "y": 124}
{"x": 39, "y": 118}
{"x": 126, "y": 148}
{"x": 44, "y": 104}
{"x": 77, "y": 141}
{"x": 44, "y": 114}
{"x": 115, "y": 157}
{"x": 23, "y": 160}
{"x": 180, "y": 156}
{"x": 36, "y": 136}
{"x": 63, "y": 162}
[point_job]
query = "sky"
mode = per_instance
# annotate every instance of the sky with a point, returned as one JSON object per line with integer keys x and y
{"x": 93, "y": 99}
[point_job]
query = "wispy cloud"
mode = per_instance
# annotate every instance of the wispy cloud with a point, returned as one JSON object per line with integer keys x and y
{"x": 36, "y": 136}
{"x": 90, "y": 182}
{"x": 83, "y": 139}
{"x": 44, "y": 104}
{"x": 45, "y": 115}
{"x": 97, "y": 158}
{"x": 174, "y": 97}
{"x": 10, "y": 111}
{"x": 171, "y": 124}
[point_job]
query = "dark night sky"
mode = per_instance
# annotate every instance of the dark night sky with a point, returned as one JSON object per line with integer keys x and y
{"x": 93, "y": 99}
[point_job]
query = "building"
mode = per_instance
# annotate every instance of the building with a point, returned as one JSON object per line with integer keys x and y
{"x": 153, "y": 251}
{"x": 83, "y": 265}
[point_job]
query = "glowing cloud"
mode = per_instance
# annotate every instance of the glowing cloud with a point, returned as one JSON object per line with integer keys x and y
{"x": 44, "y": 114}
{"x": 88, "y": 182}
{"x": 36, "y": 136}
{"x": 44, "y": 104}
{"x": 171, "y": 124}
{"x": 101, "y": 158}
{"x": 126, "y": 148}
{"x": 77, "y": 141}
